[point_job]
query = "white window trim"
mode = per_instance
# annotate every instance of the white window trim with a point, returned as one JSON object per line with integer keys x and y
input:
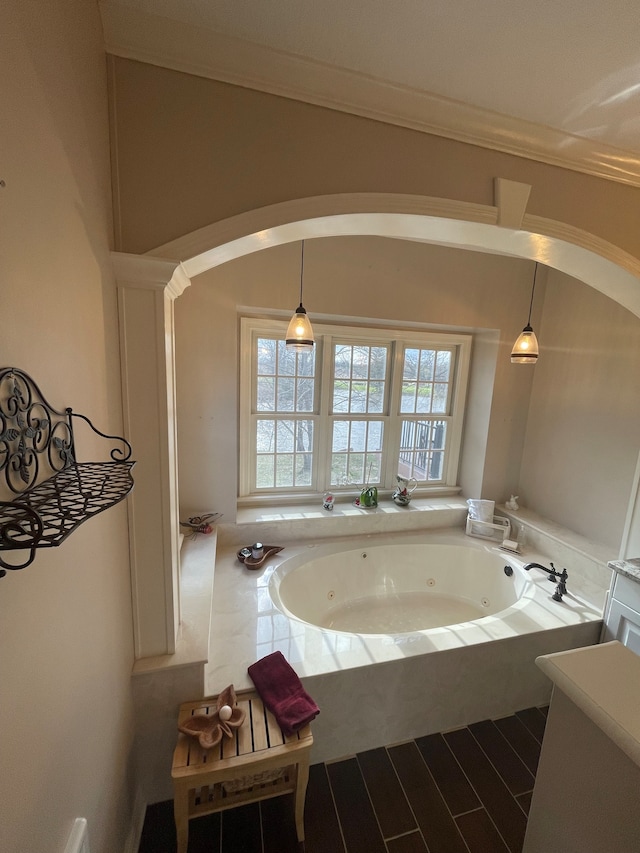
{"x": 252, "y": 327}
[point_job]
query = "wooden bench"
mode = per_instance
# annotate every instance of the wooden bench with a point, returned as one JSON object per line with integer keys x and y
{"x": 258, "y": 762}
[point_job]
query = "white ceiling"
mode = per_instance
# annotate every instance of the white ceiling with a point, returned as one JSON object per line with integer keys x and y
{"x": 558, "y": 73}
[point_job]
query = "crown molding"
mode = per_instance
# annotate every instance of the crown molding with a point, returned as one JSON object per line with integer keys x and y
{"x": 156, "y": 40}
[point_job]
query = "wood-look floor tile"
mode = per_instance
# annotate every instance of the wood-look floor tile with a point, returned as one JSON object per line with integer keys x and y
{"x": 434, "y": 819}
{"x": 506, "y": 761}
{"x": 389, "y": 802}
{"x": 412, "y": 843}
{"x": 241, "y": 830}
{"x": 453, "y": 784}
{"x": 534, "y": 720}
{"x": 278, "y": 819}
{"x": 204, "y": 834}
{"x": 521, "y": 739}
{"x": 525, "y": 801}
{"x": 321, "y": 828}
{"x": 357, "y": 819}
{"x": 159, "y": 830}
{"x": 494, "y": 794}
{"x": 490, "y": 795}
{"x": 480, "y": 833}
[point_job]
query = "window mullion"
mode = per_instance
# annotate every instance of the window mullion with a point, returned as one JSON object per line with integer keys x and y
{"x": 394, "y": 423}
{"x": 325, "y": 422}
{"x": 246, "y": 443}
{"x": 456, "y": 411}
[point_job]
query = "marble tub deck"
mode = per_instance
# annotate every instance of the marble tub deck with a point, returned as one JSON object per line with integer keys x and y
{"x": 380, "y": 689}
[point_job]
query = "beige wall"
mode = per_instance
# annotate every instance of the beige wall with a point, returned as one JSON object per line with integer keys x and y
{"x": 65, "y": 621}
{"x": 192, "y": 151}
{"x": 582, "y": 439}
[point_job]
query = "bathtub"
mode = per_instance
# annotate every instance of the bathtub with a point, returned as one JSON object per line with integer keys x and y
{"x": 423, "y": 634}
{"x": 399, "y": 588}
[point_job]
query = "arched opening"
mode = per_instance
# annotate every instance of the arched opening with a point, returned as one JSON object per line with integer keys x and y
{"x": 442, "y": 224}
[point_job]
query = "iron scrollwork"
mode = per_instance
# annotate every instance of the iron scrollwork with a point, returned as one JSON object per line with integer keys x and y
{"x": 52, "y": 492}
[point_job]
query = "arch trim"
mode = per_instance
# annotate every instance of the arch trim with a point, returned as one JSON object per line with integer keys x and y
{"x": 578, "y": 253}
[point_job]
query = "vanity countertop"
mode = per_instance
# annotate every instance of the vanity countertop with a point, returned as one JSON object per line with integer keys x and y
{"x": 628, "y": 568}
{"x": 604, "y": 683}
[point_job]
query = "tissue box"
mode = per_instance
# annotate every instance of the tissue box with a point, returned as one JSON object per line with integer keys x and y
{"x": 497, "y": 530}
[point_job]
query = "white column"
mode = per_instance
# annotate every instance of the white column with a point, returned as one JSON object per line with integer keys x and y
{"x": 147, "y": 288}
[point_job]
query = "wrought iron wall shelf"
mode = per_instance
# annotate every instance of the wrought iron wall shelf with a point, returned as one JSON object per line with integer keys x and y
{"x": 54, "y": 493}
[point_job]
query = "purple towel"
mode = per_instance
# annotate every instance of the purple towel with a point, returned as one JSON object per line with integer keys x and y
{"x": 282, "y": 692}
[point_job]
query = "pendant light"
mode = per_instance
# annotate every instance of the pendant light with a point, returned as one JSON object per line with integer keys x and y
{"x": 525, "y": 349}
{"x": 299, "y": 331}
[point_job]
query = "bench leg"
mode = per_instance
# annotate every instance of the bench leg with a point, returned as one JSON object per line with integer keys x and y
{"x": 181, "y": 817}
{"x": 301, "y": 790}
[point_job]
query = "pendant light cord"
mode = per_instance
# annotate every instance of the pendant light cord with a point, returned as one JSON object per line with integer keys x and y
{"x": 301, "y": 269}
{"x": 533, "y": 290}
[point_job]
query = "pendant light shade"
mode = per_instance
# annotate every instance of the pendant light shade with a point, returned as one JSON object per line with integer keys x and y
{"x": 525, "y": 349}
{"x": 299, "y": 332}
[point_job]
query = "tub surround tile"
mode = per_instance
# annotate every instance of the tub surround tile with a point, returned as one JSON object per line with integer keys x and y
{"x": 538, "y": 525}
{"x": 264, "y": 524}
{"x": 198, "y": 559}
{"x": 585, "y": 560}
{"x": 438, "y": 691}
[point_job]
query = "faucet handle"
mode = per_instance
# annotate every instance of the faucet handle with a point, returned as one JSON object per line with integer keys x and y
{"x": 561, "y": 574}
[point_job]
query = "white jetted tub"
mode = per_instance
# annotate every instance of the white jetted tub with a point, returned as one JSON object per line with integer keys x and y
{"x": 396, "y": 636}
{"x": 399, "y": 588}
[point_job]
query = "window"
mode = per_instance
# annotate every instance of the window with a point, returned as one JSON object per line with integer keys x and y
{"x": 361, "y": 407}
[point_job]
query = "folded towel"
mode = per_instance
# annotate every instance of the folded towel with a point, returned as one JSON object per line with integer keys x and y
{"x": 282, "y": 692}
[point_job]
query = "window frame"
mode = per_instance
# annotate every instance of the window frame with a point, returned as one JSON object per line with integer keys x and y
{"x": 397, "y": 340}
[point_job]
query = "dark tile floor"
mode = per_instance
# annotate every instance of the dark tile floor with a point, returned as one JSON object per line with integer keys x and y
{"x": 464, "y": 791}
